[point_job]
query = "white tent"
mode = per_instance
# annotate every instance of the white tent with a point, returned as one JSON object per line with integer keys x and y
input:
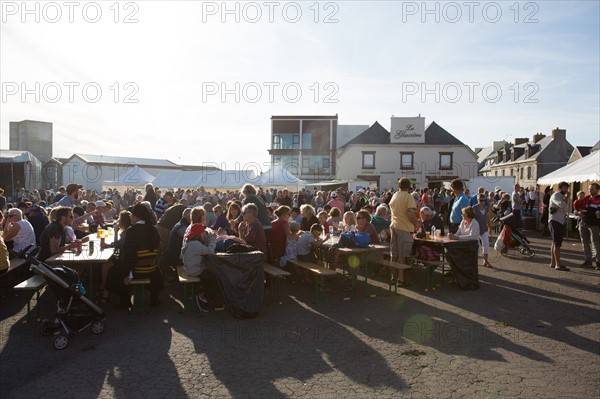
{"x": 277, "y": 176}
{"x": 215, "y": 179}
{"x": 135, "y": 177}
{"x": 584, "y": 169}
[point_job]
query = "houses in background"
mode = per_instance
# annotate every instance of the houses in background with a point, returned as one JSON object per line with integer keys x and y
{"x": 529, "y": 160}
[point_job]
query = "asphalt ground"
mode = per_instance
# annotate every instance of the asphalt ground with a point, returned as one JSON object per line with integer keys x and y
{"x": 528, "y": 332}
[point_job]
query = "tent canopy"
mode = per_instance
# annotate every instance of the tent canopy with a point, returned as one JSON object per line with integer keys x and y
{"x": 215, "y": 179}
{"x": 135, "y": 177}
{"x": 277, "y": 176}
{"x": 584, "y": 169}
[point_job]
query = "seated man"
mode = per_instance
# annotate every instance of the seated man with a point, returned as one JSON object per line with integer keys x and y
{"x": 251, "y": 229}
{"x": 53, "y": 239}
{"x": 431, "y": 219}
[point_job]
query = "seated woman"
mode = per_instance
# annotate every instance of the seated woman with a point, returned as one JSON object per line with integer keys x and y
{"x": 335, "y": 217}
{"x": 137, "y": 259}
{"x": 308, "y": 217}
{"x": 280, "y": 231}
{"x": 349, "y": 221}
{"x": 121, "y": 226}
{"x": 233, "y": 213}
{"x": 469, "y": 228}
{"x": 364, "y": 225}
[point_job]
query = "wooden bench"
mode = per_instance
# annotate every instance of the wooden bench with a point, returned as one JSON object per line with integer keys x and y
{"x": 389, "y": 265}
{"x": 187, "y": 281}
{"x": 275, "y": 274}
{"x": 317, "y": 271}
{"x": 430, "y": 266}
{"x": 34, "y": 285}
{"x": 138, "y": 285}
{"x": 16, "y": 262}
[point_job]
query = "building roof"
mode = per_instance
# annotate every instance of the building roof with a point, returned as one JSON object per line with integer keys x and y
{"x": 107, "y": 159}
{"x": 583, "y": 150}
{"x": 17, "y": 156}
{"x": 377, "y": 134}
{"x": 542, "y": 145}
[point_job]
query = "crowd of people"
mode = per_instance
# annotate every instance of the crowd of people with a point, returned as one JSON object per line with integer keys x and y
{"x": 158, "y": 230}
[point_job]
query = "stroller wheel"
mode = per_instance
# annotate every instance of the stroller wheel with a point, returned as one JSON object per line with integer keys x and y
{"x": 48, "y": 327}
{"x": 522, "y": 251}
{"x": 60, "y": 342}
{"x": 530, "y": 253}
{"x": 504, "y": 252}
{"x": 97, "y": 327}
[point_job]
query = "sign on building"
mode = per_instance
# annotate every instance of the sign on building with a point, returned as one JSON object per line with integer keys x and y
{"x": 407, "y": 130}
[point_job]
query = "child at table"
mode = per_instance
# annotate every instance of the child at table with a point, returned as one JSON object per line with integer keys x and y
{"x": 196, "y": 231}
{"x": 308, "y": 242}
{"x": 291, "y": 248}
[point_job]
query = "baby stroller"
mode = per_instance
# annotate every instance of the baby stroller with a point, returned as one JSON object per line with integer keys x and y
{"x": 74, "y": 311}
{"x": 511, "y": 237}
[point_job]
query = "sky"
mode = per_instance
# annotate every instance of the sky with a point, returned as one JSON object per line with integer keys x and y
{"x": 197, "y": 82}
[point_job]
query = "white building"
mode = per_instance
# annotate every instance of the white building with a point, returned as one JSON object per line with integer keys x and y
{"x": 428, "y": 156}
{"x": 92, "y": 171}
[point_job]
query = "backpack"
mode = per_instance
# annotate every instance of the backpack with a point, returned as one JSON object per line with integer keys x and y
{"x": 426, "y": 253}
{"x": 357, "y": 239}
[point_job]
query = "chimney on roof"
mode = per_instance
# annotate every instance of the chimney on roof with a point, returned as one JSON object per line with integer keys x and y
{"x": 559, "y": 134}
{"x": 521, "y": 141}
{"x": 537, "y": 137}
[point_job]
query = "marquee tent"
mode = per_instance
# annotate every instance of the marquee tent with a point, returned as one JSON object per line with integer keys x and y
{"x": 210, "y": 179}
{"x": 133, "y": 178}
{"x": 277, "y": 176}
{"x": 582, "y": 170}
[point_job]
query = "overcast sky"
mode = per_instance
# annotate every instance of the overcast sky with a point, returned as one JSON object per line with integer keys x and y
{"x": 491, "y": 71}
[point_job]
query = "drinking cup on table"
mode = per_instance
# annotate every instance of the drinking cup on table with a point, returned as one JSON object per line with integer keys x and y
{"x": 427, "y": 236}
{"x": 438, "y": 234}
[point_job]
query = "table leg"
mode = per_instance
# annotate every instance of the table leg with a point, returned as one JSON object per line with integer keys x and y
{"x": 91, "y": 290}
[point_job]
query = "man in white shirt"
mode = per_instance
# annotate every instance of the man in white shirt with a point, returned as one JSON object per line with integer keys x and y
{"x": 531, "y": 199}
{"x": 517, "y": 205}
{"x": 556, "y": 218}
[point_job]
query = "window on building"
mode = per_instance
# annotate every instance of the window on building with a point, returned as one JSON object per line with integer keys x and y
{"x": 368, "y": 160}
{"x": 522, "y": 173}
{"x": 496, "y": 173}
{"x": 512, "y": 172}
{"x": 503, "y": 172}
{"x": 277, "y": 159}
{"x": 445, "y": 161}
{"x": 276, "y": 140}
{"x": 307, "y": 141}
{"x": 529, "y": 174}
{"x": 406, "y": 160}
{"x": 296, "y": 139}
{"x": 326, "y": 165}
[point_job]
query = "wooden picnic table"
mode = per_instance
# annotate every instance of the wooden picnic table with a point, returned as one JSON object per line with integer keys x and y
{"x": 360, "y": 253}
{"x": 84, "y": 258}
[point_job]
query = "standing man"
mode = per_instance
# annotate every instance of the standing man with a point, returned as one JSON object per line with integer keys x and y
{"x": 2, "y": 200}
{"x": 461, "y": 201}
{"x": 404, "y": 218}
{"x": 151, "y": 196}
{"x": 163, "y": 204}
{"x": 285, "y": 198}
{"x": 517, "y": 205}
{"x": 531, "y": 200}
{"x": 589, "y": 227}
{"x": 556, "y": 223}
